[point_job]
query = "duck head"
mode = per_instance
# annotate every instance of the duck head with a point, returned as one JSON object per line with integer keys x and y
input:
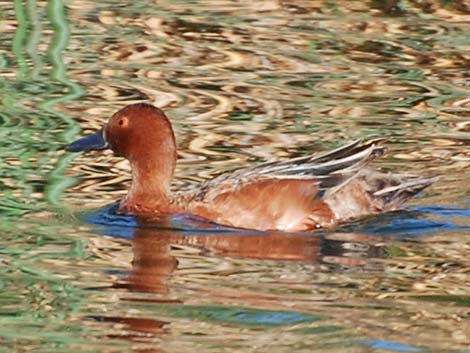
{"x": 142, "y": 134}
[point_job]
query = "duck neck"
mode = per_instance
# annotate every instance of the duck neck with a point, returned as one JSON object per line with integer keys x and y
{"x": 151, "y": 182}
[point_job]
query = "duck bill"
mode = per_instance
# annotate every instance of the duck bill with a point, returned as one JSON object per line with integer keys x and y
{"x": 92, "y": 142}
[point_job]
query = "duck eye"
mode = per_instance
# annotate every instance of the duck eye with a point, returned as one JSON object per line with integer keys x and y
{"x": 122, "y": 122}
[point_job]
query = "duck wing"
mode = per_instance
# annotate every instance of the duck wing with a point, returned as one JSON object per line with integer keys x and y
{"x": 324, "y": 170}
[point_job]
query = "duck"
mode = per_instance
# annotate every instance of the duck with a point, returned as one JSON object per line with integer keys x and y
{"x": 301, "y": 194}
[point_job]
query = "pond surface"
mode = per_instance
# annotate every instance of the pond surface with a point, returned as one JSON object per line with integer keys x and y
{"x": 242, "y": 82}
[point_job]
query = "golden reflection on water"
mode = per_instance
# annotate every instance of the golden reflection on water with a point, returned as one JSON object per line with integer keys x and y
{"x": 242, "y": 82}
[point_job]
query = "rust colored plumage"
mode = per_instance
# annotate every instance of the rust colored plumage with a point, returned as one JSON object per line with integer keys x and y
{"x": 298, "y": 194}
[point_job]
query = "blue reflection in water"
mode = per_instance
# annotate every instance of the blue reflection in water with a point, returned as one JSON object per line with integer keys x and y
{"x": 118, "y": 225}
{"x": 241, "y": 315}
{"x": 390, "y": 346}
{"x": 416, "y": 221}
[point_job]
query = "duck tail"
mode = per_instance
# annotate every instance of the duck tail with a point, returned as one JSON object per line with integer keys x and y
{"x": 371, "y": 192}
{"x": 393, "y": 196}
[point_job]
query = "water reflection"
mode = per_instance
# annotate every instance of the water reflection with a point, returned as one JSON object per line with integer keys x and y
{"x": 299, "y": 282}
{"x": 157, "y": 254}
{"x": 152, "y": 243}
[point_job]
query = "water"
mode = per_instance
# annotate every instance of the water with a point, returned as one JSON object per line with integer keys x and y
{"x": 242, "y": 82}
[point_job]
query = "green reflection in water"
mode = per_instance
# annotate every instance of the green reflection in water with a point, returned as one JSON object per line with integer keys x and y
{"x": 34, "y": 38}
{"x": 56, "y": 180}
{"x": 459, "y": 300}
{"x": 19, "y": 40}
{"x": 35, "y": 300}
{"x": 37, "y": 304}
{"x": 54, "y": 126}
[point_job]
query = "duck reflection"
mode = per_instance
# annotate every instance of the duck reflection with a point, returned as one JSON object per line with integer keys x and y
{"x": 153, "y": 262}
{"x": 155, "y": 259}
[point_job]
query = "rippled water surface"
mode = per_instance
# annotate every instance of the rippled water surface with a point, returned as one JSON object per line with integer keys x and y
{"x": 243, "y": 82}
